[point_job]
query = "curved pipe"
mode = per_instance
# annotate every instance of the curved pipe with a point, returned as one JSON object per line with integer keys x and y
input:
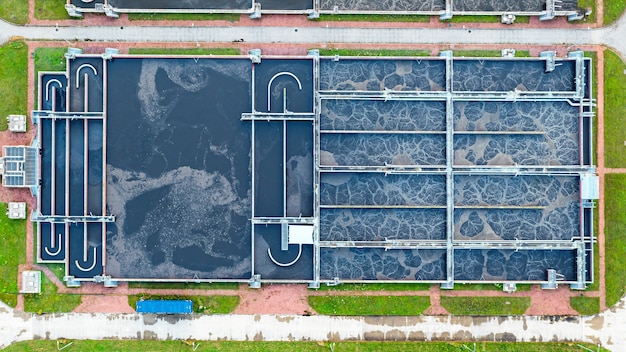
{"x": 54, "y": 80}
{"x": 92, "y": 265}
{"x": 269, "y": 252}
{"x": 269, "y": 85}
{"x": 54, "y": 254}
{"x": 78, "y": 72}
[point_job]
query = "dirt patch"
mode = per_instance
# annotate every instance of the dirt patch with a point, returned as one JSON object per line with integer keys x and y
{"x": 274, "y": 299}
{"x": 104, "y": 304}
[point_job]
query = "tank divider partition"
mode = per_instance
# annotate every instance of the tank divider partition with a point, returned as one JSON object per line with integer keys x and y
{"x": 70, "y": 219}
{"x": 67, "y": 192}
{"x": 449, "y": 171}
{"x": 515, "y": 95}
{"x": 252, "y": 172}
{"x": 67, "y": 164}
{"x": 284, "y": 153}
{"x": 504, "y": 207}
{"x": 391, "y": 244}
{"x": 267, "y": 116}
{"x": 442, "y": 244}
{"x": 547, "y": 170}
{"x": 317, "y": 109}
{"x": 281, "y": 220}
{"x": 361, "y": 206}
{"x": 105, "y": 79}
{"x": 39, "y": 178}
{"x": 384, "y": 95}
{"x": 501, "y": 133}
{"x": 57, "y": 115}
{"x": 411, "y": 169}
{"x": 379, "y": 132}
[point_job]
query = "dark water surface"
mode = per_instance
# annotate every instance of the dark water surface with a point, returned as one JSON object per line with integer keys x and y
{"x": 178, "y": 168}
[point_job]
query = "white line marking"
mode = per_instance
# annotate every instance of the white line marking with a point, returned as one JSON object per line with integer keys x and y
{"x": 269, "y": 86}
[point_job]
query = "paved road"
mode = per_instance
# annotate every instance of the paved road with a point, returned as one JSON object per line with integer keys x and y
{"x": 612, "y": 36}
{"x": 606, "y": 329}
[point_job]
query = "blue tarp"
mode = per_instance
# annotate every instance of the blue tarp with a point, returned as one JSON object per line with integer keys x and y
{"x": 164, "y": 306}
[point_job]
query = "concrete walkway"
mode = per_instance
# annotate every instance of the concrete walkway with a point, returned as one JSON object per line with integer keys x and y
{"x": 612, "y": 36}
{"x": 606, "y": 329}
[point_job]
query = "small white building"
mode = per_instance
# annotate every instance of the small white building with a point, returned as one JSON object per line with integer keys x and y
{"x": 31, "y": 282}
{"x": 16, "y": 210}
{"x": 17, "y": 123}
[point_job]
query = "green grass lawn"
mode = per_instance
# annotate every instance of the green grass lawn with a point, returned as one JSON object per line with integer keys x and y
{"x": 484, "y": 19}
{"x": 613, "y": 9}
{"x": 48, "y": 59}
{"x": 377, "y": 287}
{"x": 485, "y": 305}
{"x": 201, "y": 304}
{"x": 12, "y": 253}
{"x": 373, "y": 52}
{"x": 52, "y": 10}
{"x": 186, "y": 286}
{"x": 58, "y": 269}
{"x": 369, "y": 305}
{"x": 587, "y": 4}
{"x": 615, "y": 238}
{"x": 184, "y": 51}
{"x": 614, "y": 110}
{"x": 374, "y": 18}
{"x": 48, "y": 301}
{"x": 387, "y": 346}
{"x": 585, "y": 305}
{"x": 14, "y": 11}
{"x": 13, "y": 80}
{"x": 183, "y": 17}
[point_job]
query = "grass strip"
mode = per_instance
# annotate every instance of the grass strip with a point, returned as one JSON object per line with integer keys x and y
{"x": 369, "y": 305}
{"x": 377, "y": 287}
{"x": 488, "y": 53}
{"x": 485, "y": 305}
{"x": 15, "y": 11}
{"x": 373, "y": 52}
{"x": 58, "y": 269}
{"x": 201, "y": 304}
{"x": 13, "y": 80}
{"x": 185, "y": 285}
{"x": 184, "y": 51}
{"x": 613, "y": 9}
{"x": 488, "y": 287}
{"x": 484, "y": 19}
{"x": 615, "y": 241}
{"x": 183, "y": 17}
{"x": 614, "y": 110}
{"x": 12, "y": 254}
{"x": 373, "y": 18}
{"x": 266, "y": 346}
{"x": 585, "y": 305}
{"x": 48, "y": 301}
{"x": 587, "y": 4}
{"x": 51, "y": 10}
